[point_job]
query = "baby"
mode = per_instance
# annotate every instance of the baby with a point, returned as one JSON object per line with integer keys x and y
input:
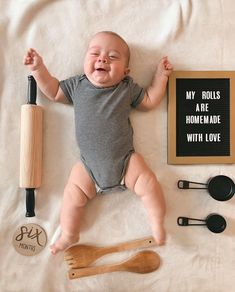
{"x": 103, "y": 97}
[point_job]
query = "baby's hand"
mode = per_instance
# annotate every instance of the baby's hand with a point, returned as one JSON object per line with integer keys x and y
{"x": 164, "y": 67}
{"x": 32, "y": 60}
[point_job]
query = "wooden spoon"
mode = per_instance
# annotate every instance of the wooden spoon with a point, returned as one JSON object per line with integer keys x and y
{"x": 143, "y": 262}
{"x": 81, "y": 255}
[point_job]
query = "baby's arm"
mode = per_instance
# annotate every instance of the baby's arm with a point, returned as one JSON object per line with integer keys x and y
{"x": 155, "y": 92}
{"x": 48, "y": 84}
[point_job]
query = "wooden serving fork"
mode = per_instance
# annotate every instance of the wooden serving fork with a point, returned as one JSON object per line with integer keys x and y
{"x": 81, "y": 255}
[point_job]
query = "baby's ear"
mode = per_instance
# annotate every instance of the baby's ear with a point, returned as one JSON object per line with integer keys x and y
{"x": 127, "y": 71}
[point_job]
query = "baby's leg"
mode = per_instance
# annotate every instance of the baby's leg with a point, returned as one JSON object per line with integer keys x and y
{"x": 79, "y": 189}
{"x": 143, "y": 182}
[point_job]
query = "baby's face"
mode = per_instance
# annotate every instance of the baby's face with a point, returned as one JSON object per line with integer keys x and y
{"x": 106, "y": 60}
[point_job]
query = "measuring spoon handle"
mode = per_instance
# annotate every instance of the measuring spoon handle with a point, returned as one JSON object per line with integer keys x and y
{"x": 186, "y": 184}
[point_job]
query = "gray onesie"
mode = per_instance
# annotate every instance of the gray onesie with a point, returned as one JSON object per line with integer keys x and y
{"x": 103, "y": 130}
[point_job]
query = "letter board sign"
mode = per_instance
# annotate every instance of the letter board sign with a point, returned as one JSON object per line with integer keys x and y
{"x": 201, "y": 123}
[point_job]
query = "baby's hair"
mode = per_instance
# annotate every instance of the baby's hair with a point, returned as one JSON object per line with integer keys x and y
{"x": 120, "y": 38}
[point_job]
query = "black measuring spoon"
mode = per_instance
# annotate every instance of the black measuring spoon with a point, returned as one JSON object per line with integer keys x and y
{"x": 214, "y": 222}
{"x": 220, "y": 187}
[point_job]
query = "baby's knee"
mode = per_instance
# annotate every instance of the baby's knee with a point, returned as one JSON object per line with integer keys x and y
{"x": 149, "y": 177}
{"x": 146, "y": 182}
{"x": 75, "y": 194}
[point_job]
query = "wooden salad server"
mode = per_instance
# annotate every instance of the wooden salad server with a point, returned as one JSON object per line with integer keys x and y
{"x": 143, "y": 262}
{"x": 82, "y": 255}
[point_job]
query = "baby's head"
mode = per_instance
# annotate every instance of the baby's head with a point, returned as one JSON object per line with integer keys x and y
{"x": 107, "y": 59}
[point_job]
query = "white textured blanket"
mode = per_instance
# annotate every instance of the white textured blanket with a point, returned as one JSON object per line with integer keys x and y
{"x": 195, "y": 35}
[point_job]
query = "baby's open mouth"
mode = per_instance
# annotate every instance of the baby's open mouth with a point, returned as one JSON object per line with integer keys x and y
{"x": 100, "y": 69}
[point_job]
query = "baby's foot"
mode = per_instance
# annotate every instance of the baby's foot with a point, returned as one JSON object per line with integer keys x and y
{"x": 159, "y": 234}
{"x": 62, "y": 243}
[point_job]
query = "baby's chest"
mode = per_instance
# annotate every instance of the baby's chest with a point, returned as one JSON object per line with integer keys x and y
{"x": 102, "y": 107}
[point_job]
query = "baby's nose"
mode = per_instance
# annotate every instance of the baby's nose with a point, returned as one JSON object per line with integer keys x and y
{"x": 103, "y": 59}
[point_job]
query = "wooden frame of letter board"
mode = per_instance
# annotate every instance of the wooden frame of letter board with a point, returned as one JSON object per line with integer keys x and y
{"x": 172, "y": 157}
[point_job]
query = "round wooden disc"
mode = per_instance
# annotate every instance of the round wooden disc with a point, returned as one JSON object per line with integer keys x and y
{"x": 29, "y": 239}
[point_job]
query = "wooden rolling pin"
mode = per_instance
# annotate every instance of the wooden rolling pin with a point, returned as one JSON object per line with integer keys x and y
{"x": 31, "y": 146}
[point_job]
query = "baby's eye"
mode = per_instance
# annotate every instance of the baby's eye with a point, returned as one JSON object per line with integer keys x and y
{"x": 113, "y": 57}
{"x": 94, "y": 54}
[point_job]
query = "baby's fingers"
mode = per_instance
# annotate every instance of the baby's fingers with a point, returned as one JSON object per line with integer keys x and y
{"x": 167, "y": 64}
{"x": 32, "y": 52}
{"x": 30, "y": 57}
{"x": 27, "y": 60}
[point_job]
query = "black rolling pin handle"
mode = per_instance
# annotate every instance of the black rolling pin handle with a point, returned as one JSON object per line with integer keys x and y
{"x": 32, "y": 90}
{"x": 30, "y": 202}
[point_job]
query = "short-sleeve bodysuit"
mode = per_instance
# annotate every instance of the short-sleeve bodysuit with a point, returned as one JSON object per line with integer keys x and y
{"x": 103, "y": 130}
